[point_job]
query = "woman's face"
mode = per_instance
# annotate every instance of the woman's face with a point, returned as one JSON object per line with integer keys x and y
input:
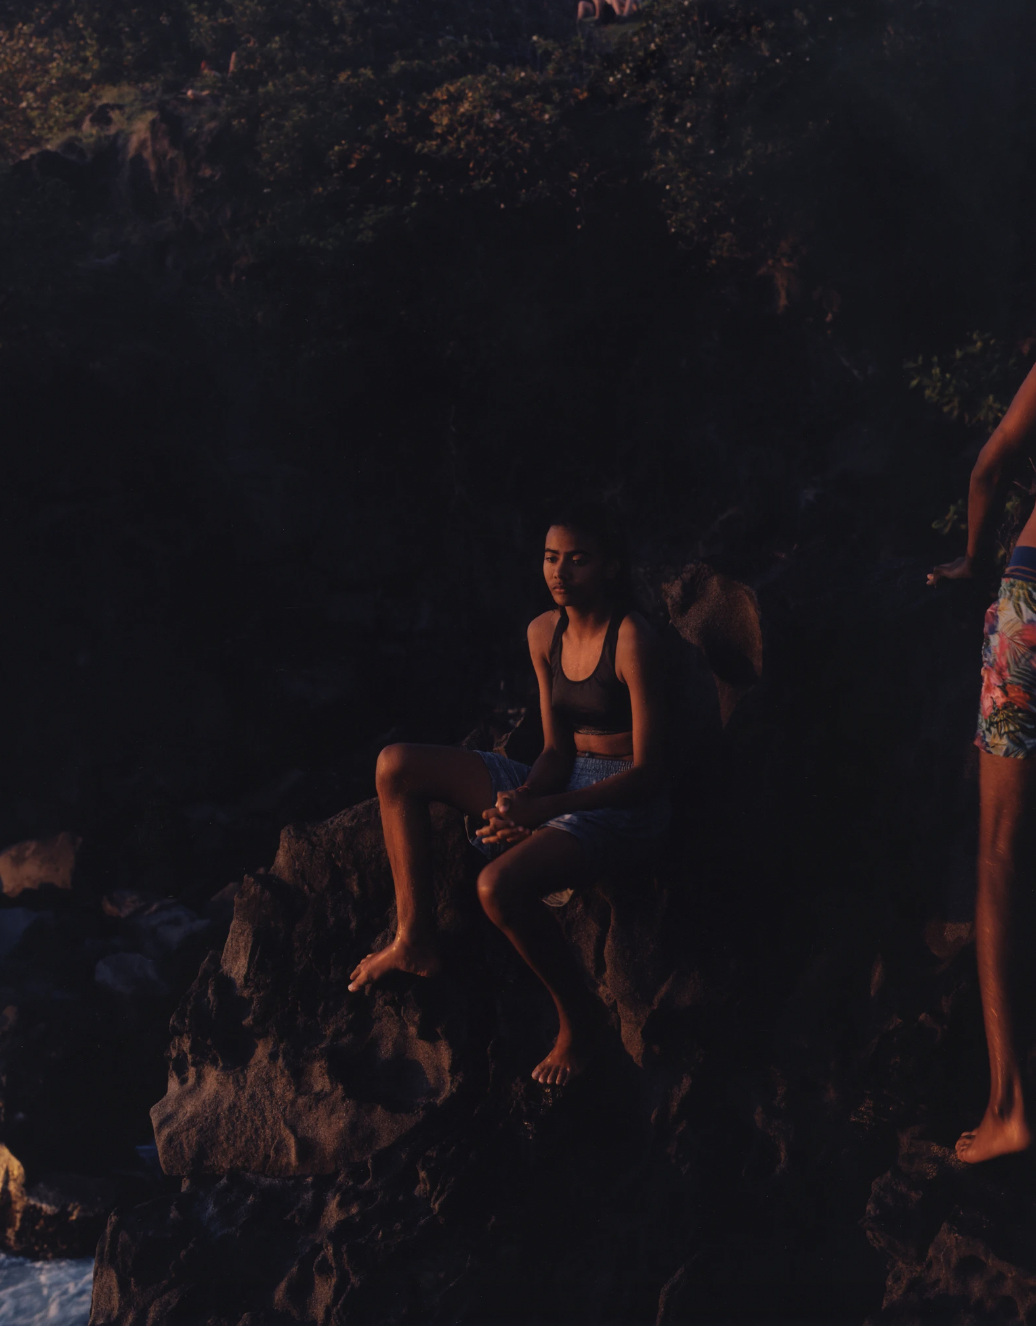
{"x": 574, "y": 567}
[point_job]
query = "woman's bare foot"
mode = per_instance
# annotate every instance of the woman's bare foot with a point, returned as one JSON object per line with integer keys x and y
{"x": 995, "y": 1136}
{"x": 401, "y": 955}
{"x": 573, "y": 1050}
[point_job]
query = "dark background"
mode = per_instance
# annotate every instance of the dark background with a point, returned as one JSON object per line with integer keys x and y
{"x": 278, "y": 423}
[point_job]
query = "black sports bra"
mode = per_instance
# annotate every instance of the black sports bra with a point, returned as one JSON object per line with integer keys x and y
{"x": 599, "y": 705}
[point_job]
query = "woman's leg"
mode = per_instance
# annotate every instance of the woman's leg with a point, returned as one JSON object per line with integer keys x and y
{"x": 408, "y": 777}
{"x": 1007, "y": 802}
{"x": 510, "y": 889}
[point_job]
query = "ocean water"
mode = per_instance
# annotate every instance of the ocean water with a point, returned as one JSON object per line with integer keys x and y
{"x": 56, "y": 1293}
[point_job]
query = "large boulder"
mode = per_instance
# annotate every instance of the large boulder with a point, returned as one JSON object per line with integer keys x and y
{"x": 382, "y": 1153}
{"x": 275, "y": 1068}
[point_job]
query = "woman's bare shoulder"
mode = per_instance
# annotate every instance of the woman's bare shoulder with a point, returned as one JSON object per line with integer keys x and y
{"x": 541, "y": 630}
{"x": 636, "y": 630}
{"x": 637, "y": 639}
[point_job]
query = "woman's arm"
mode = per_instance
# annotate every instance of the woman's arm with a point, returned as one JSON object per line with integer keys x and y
{"x": 552, "y": 766}
{"x": 995, "y": 461}
{"x": 637, "y": 663}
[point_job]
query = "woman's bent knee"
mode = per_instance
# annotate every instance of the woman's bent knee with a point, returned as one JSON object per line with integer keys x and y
{"x": 499, "y": 889}
{"x": 390, "y": 771}
{"x": 492, "y": 889}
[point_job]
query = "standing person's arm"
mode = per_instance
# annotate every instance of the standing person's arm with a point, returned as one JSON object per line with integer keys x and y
{"x": 993, "y": 467}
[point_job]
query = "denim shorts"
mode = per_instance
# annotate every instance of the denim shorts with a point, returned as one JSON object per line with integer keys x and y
{"x": 614, "y": 836}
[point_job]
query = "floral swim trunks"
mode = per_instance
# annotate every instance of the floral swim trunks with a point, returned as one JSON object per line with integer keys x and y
{"x": 1007, "y": 711}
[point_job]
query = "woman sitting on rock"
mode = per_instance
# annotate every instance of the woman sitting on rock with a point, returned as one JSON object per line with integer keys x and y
{"x": 594, "y": 800}
{"x": 1007, "y": 785}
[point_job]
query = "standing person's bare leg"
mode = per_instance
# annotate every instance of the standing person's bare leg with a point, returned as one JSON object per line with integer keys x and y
{"x": 1005, "y": 865}
{"x": 510, "y": 890}
{"x": 408, "y": 778}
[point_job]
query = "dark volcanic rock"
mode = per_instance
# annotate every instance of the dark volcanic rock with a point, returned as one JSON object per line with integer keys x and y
{"x": 381, "y": 1155}
{"x": 960, "y": 1240}
{"x": 63, "y": 1216}
{"x": 721, "y": 617}
{"x": 275, "y": 1067}
{"x": 34, "y": 865}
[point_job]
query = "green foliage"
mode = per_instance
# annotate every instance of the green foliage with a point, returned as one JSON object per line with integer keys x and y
{"x": 975, "y": 385}
{"x": 955, "y": 519}
{"x": 336, "y": 153}
{"x": 747, "y": 119}
{"x": 707, "y": 76}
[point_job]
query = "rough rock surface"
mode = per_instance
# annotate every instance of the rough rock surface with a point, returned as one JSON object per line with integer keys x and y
{"x": 61, "y": 1215}
{"x": 960, "y": 1240}
{"x": 39, "y": 864}
{"x": 395, "y": 1151}
{"x": 351, "y": 1076}
{"x": 58, "y": 1216}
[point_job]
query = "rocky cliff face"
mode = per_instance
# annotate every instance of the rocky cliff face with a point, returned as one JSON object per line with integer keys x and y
{"x": 780, "y": 1033}
{"x": 767, "y": 1132}
{"x": 396, "y": 1134}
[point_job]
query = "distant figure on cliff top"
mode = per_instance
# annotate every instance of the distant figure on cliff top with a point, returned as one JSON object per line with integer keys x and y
{"x": 606, "y": 11}
{"x": 1007, "y": 786}
{"x": 595, "y": 798}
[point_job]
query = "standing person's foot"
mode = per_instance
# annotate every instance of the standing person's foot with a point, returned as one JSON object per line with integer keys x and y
{"x": 995, "y": 1136}
{"x": 574, "y": 1048}
{"x": 401, "y": 955}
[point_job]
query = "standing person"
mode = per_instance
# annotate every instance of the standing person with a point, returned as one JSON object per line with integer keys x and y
{"x": 595, "y": 798}
{"x": 1007, "y": 784}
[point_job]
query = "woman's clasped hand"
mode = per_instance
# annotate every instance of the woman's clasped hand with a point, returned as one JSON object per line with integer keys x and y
{"x": 513, "y": 817}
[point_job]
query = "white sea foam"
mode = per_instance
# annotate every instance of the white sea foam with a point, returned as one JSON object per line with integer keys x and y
{"x": 45, "y": 1293}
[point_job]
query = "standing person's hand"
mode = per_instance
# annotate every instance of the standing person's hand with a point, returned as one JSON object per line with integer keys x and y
{"x": 961, "y": 569}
